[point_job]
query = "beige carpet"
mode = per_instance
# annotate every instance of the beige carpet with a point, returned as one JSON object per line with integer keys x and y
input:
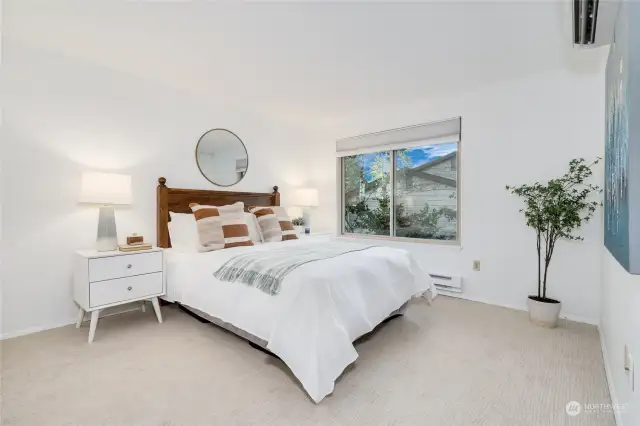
{"x": 455, "y": 363}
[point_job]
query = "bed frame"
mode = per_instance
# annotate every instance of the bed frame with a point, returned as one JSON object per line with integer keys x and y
{"x": 177, "y": 200}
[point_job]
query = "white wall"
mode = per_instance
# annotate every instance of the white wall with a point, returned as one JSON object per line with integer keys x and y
{"x": 70, "y": 112}
{"x": 620, "y": 326}
{"x": 64, "y": 115}
{"x": 514, "y": 132}
{"x": 620, "y": 302}
{"x": 1, "y": 178}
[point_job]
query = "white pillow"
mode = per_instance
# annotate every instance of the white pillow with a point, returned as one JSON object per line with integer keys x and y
{"x": 183, "y": 232}
{"x": 254, "y": 229}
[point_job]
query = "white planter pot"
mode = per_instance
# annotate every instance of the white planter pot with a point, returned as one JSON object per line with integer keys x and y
{"x": 545, "y": 313}
{"x": 299, "y": 229}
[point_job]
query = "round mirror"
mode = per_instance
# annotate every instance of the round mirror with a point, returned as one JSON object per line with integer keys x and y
{"x": 222, "y": 157}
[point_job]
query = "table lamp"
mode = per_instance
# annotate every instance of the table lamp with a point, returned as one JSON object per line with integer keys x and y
{"x": 306, "y": 198}
{"x": 107, "y": 190}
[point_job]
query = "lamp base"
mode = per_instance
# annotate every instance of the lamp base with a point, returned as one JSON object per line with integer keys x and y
{"x": 107, "y": 239}
{"x": 306, "y": 217}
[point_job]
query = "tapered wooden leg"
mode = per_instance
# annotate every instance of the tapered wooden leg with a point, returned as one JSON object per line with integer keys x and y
{"x": 143, "y": 306}
{"x": 94, "y": 323}
{"x": 156, "y": 307}
{"x": 80, "y": 318}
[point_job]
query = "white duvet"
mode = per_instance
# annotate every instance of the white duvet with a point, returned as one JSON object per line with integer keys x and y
{"x": 321, "y": 309}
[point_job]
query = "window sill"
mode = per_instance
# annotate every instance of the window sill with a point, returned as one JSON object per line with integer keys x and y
{"x": 435, "y": 243}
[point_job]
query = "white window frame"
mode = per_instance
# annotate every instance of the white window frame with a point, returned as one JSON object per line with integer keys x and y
{"x": 391, "y": 237}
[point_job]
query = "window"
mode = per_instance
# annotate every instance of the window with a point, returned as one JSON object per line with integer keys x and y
{"x": 426, "y": 192}
{"x": 367, "y": 179}
{"x": 404, "y": 192}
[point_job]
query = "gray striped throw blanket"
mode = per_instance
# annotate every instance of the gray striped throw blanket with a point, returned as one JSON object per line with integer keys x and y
{"x": 265, "y": 269}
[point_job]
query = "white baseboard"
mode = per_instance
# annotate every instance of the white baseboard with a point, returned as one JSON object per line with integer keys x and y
{"x": 70, "y": 321}
{"x": 518, "y": 308}
{"x": 575, "y": 318}
{"x": 609, "y": 376}
{"x": 36, "y": 329}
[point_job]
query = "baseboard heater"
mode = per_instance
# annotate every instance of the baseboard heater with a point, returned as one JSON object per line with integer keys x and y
{"x": 447, "y": 283}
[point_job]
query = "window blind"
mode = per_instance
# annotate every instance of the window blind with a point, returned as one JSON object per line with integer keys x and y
{"x": 405, "y": 137}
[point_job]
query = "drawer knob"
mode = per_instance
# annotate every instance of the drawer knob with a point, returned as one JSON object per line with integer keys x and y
{"x": 129, "y": 266}
{"x": 129, "y": 288}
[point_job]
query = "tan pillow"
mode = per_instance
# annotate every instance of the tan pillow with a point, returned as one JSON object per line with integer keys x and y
{"x": 221, "y": 227}
{"x": 275, "y": 224}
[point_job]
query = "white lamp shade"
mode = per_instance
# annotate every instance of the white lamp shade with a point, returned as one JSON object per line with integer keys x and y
{"x": 294, "y": 211}
{"x": 305, "y": 197}
{"x": 105, "y": 188}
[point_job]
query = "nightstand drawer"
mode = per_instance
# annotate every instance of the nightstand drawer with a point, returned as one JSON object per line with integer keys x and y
{"x": 122, "y": 289}
{"x": 107, "y": 268}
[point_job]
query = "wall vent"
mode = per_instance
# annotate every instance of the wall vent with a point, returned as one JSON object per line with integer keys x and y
{"x": 585, "y": 17}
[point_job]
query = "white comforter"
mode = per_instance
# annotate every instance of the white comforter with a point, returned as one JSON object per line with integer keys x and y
{"x": 321, "y": 309}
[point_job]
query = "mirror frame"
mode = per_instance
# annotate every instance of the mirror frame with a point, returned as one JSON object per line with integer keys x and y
{"x": 198, "y": 163}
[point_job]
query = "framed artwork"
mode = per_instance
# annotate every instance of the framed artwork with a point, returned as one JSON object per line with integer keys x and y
{"x": 621, "y": 156}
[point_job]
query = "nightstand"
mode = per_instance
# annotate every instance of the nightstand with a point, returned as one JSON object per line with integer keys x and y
{"x": 111, "y": 278}
{"x": 315, "y": 236}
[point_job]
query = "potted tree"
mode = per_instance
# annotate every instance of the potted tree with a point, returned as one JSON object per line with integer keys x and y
{"x": 555, "y": 210}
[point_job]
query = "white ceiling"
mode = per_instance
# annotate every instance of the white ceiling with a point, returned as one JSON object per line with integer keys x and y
{"x": 310, "y": 59}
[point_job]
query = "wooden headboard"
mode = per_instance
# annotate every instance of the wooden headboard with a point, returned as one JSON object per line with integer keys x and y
{"x": 177, "y": 200}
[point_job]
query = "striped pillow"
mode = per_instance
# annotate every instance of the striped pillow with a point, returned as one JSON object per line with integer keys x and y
{"x": 275, "y": 223}
{"x": 221, "y": 227}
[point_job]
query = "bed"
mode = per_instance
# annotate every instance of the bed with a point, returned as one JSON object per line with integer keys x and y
{"x": 322, "y": 307}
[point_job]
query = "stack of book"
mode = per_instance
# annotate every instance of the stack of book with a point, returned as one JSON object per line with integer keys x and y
{"x": 134, "y": 247}
{"x": 135, "y": 243}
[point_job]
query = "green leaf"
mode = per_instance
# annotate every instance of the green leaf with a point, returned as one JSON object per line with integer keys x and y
{"x": 559, "y": 207}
